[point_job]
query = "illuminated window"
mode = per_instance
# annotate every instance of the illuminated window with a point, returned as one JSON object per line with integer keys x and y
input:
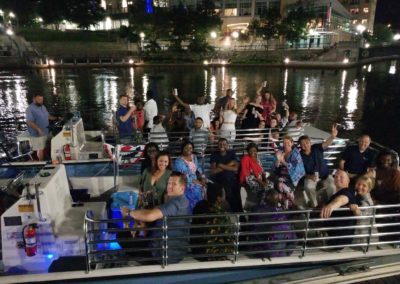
{"x": 364, "y": 21}
{"x": 366, "y": 10}
{"x": 354, "y": 11}
{"x": 354, "y": 22}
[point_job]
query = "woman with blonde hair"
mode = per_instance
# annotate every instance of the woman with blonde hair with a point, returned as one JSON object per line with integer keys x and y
{"x": 227, "y": 118}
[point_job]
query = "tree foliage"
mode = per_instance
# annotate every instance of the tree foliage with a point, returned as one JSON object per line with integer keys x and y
{"x": 294, "y": 26}
{"x": 268, "y": 26}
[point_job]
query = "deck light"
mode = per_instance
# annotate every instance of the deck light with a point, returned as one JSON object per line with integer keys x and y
{"x": 205, "y": 62}
{"x": 131, "y": 61}
{"x": 51, "y": 62}
{"x": 223, "y": 62}
{"x": 346, "y": 60}
{"x": 287, "y": 60}
{"x": 367, "y": 45}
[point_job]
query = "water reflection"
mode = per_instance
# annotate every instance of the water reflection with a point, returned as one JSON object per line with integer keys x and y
{"x": 319, "y": 98}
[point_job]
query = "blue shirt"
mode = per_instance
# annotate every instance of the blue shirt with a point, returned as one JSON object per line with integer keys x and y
{"x": 177, "y": 206}
{"x": 40, "y": 116}
{"x": 124, "y": 128}
{"x": 315, "y": 162}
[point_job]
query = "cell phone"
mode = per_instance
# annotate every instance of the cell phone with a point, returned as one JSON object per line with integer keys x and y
{"x": 175, "y": 90}
{"x": 265, "y": 83}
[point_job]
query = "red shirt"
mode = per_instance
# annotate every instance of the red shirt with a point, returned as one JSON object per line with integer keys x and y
{"x": 139, "y": 118}
{"x": 247, "y": 166}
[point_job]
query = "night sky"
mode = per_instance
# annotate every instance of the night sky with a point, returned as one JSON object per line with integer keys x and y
{"x": 387, "y": 11}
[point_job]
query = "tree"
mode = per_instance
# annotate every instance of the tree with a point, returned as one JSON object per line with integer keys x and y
{"x": 268, "y": 25}
{"x": 382, "y": 34}
{"x": 84, "y": 12}
{"x": 52, "y": 12}
{"x": 294, "y": 25}
{"x": 24, "y": 10}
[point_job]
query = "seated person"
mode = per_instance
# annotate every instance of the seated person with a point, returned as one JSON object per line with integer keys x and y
{"x": 224, "y": 167}
{"x": 357, "y": 159}
{"x": 153, "y": 183}
{"x": 271, "y": 204}
{"x": 199, "y": 136}
{"x": 343, "y": 198}
{"x": 387, "y": 186}
{"x": 188, "y": 164}
{"x": 150, "y": 153}
{"x": 251, "y": 171}
{"x": 176, "y": 205}
{"x": 215, "y": 204}
{"x": 317, "y": 171}
{"x": 157, "y": 132}
{"x": 364, "y": 185}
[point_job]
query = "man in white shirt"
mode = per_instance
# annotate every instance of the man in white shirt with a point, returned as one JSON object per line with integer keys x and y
{"x": 201, "y": 109}
{"x": 150, "y": 111}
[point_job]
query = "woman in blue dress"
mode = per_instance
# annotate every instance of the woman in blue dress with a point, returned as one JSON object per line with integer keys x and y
{"x": 187, "y": 164}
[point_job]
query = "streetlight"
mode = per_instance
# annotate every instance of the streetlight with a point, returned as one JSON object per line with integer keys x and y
{"x": 9, "y": 32}
{"x": 142, "y": 36}
{"x": 235, "y": 34}
{"x": 1, "y": 13}
{"x": 11, "y": 15}
{"x": 287, "y": 60}
{"x": 396, "y": 37}
{"x": 213, "y": 35}
{"x": 361, "y": 28}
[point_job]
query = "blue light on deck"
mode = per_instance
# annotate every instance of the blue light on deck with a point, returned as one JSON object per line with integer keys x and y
{"x": 149, "y": 6}
{"x": 50, "y": 256}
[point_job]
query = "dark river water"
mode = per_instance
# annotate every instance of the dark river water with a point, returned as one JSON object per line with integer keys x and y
{"x": 362, "y": 101}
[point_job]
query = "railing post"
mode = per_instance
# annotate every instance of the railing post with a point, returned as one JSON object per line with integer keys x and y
{"x": 371, "y": 224}
{"x": 303, "y": 252}
{"x": 237, "y": 231}
{"x": 165, "y": 243}
{"x": 86, "y": 245}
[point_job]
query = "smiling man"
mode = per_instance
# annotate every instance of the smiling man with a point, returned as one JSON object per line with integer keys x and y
{"x": 176, "y": 205}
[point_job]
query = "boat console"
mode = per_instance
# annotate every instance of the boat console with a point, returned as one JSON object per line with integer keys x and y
{"x": 44, "y": 224}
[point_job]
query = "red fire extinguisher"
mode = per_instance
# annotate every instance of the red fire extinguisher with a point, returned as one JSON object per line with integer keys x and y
{"x": 67, "y": 152}
{"x": 29, "y": 238}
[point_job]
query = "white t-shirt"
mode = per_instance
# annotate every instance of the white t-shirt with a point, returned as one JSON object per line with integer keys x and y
{"x": 150, "y": 111}
{"x": 203, "y": 111}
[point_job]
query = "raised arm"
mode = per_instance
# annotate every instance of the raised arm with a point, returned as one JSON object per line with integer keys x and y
{"x": 128, "y": 114}
{"x": 329, "y": 141}
{"x": 182, "y": 103}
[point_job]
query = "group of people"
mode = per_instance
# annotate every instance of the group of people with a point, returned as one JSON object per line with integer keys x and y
{"x": 300, "y": 179}
{"x": 203, "y": 121}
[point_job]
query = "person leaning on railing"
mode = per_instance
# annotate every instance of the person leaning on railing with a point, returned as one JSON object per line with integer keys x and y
{"x": 176, "y": 205}
{"x": 344, "y": 197}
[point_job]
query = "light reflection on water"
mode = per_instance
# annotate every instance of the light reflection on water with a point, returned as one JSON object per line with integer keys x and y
{"x": 319, "y": 97}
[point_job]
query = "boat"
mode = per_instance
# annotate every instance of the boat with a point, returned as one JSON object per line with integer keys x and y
{"x": 62, "y": 222}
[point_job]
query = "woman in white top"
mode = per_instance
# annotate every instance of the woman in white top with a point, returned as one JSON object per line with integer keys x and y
{"x": 228, "y": 119}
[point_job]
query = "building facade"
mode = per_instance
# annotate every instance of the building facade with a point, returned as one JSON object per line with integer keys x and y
{"x": 362, "y": 12}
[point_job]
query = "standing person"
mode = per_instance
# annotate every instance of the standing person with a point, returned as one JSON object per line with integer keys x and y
{"x": 201, "y": 109}
{"x": 124, "y": 118}
{"x": 268, "y": 102}
{"x": 315, "y": 165}
{"x": 176, "y": 205}
{"x": 150, "y": 111}
{"x": 138, "y": 116}
{"x": 357, "y": 159}
{"x": 222, "y": 101}
{"x": 37, "y": 120}
{"x": 252, "y": 114}
{"x": 187, "y": 164}
{"x": 227, "y": 120}
{"x": 199, "y": 136}
{"x": 224, "y": 168}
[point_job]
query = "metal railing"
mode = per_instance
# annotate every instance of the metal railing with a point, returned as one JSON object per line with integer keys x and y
{"x": 234, "y": 237}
